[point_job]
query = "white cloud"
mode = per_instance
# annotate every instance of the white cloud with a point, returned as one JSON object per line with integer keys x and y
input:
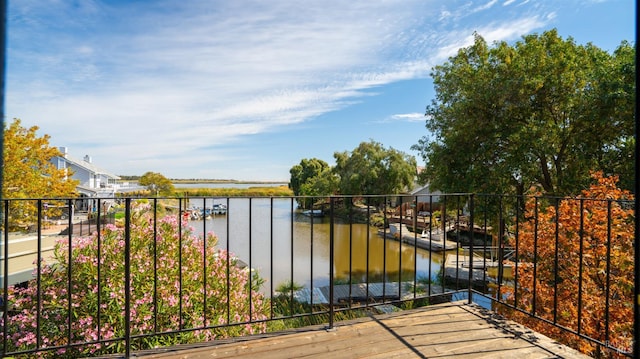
{"x": 148, "y": 81}
{"x": 492, "y": 32}
{"x": 486, "y": 6}
{"x": 410, "y": 117}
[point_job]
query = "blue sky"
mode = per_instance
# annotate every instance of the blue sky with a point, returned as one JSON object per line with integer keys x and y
{"x": 246, "y": 89}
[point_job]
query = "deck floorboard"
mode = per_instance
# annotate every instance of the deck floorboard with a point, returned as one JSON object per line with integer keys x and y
{"x": 452, "y": 330}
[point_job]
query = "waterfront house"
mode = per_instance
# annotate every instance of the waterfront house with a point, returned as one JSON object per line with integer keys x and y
{"x": 426, "y": 194}
{"x": 94, "y": 182}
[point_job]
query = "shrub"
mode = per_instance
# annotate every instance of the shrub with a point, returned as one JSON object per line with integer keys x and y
{"x": 588, "y": 290}
{"x": 166, "y": 294}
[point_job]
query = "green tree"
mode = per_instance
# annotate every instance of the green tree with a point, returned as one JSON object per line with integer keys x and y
{"x": 29, "y": 173}
{"x": 372, "y": 169}
{"x": 543, "y": 112}
{"x": 305, "y": 170}
{"x": 324, "y": 184}
{"x": 616, "y": 100}
{"x": 311, "y": 177}
{"x": 156, "y": 183}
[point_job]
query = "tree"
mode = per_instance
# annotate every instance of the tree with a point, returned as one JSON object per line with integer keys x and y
{"x": 29, "y": 173}
{"x": 306, "y": 170}
{"x": 617, "y": 100}
{"x": 311, "y": 177}
{"x": 372, "y": 169}
{"x": 543, "y": 112}
{"x": 324, "y": 184}
{"x": 600, "y": 225}
{"x": 156, "y": 183}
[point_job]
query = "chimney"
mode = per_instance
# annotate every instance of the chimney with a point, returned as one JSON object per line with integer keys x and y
{"x": 87, "y": 158}
{"x": 64, "y": 151}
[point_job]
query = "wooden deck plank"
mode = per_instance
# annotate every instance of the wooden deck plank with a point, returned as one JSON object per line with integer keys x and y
{"x": 452, "y": 330}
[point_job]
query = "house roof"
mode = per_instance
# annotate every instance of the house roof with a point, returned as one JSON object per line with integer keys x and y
{"x": 424, "y": 190}
{"x": 90, "y": 167}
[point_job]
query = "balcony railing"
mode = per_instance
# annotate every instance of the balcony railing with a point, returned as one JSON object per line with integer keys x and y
{"x": 162, "y": 271}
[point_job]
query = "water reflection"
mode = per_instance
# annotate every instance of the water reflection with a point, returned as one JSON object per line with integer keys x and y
{"x": 283, "y": 245}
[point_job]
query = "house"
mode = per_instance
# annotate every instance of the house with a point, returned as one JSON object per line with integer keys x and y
{"x": 425, "y": 194}
{"x": 94, "y": 181}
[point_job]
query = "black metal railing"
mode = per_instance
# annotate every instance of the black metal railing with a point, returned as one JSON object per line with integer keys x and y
{"x": 136, "y": 274}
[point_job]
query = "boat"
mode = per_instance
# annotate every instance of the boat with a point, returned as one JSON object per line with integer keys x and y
{"x": 219, "y": 208}
{"x": 193, "y": 214}
{"x": 198, "y": 213}
{"x": 313, "y": 213}
{"x": 462, "y": 233}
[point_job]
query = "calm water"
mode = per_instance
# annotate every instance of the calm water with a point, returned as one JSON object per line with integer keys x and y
{"x": 227, "y": 185}
{"x": 299, "y": 245}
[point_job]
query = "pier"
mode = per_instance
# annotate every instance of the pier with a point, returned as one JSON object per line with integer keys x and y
{"x": 433, "y": 240}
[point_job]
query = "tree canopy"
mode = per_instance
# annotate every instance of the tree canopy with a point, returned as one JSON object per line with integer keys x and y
{"x": 305, "y": 171}
{"x": 372, "y": 169}
{"x": 156, "y": 183}
{"x": 311, "y": 177}
{"x": 543, "y": 112}
{"x": 369, "y": 169}
{"x": 28, "y": 171}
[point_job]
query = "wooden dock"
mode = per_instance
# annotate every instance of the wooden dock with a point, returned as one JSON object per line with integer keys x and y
{"x": 456, "y": 269}
{"x": 434, "y": 241}
{"x": 452, "y": 330}
{"x": 362, "y": 293}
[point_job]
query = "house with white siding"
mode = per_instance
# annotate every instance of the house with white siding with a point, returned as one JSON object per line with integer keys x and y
{"x": 95, "y": 182}
{"x": 426, "y": 194}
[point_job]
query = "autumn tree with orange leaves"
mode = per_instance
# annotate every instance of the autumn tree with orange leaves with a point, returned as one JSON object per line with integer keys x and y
{"x": 590, "y": 294}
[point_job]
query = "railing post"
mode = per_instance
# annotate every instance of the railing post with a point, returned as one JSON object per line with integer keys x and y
{"x": 127, "y": 277}
{"x": 331, "y": 274}
{"x": 636, "y": 205}
{"x": 69, "y": 271}
{"x": 471, "y": 213}
{"x": 5, "y": 276}
{"x": 636, "y": 254}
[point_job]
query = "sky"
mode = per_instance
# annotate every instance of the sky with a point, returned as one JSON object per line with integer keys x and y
{"x": 247, "y": 89}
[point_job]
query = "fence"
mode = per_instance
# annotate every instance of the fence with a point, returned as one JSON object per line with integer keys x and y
{"x": 137, "y": 274}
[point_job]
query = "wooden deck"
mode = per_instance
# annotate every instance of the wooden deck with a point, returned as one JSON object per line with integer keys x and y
{"x": 452, "y": 330}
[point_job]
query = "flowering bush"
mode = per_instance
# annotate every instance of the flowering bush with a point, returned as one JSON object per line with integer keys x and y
{"x": 171, "y": 275}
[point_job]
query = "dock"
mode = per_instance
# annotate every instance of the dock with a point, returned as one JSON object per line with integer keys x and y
{"x": 433, "y": 241}
{"x": 344, "y": 294}
{"x": 484, "y": 271}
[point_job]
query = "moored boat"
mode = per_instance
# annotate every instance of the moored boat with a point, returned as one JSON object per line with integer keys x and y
{"x": 313, "y": 213}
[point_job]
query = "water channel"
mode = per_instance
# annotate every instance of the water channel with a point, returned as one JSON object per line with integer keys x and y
{"x": 282, "y": 244}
